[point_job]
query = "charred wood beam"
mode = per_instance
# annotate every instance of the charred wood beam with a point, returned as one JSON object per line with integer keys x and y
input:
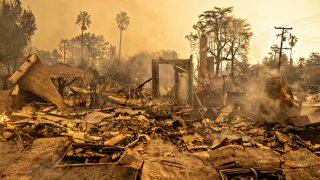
{"x": 174, "y": 65}
{"x": 155, "y": 79}
{"x": 142, "y": 84}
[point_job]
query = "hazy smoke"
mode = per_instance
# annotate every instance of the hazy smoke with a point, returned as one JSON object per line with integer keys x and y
{"x": 313, "y": 113}
{"x": 150, "y": 26}
{"x": 137, "y": 69}
{"x": 166, "y": 80}
{"x": 265, "y": 100}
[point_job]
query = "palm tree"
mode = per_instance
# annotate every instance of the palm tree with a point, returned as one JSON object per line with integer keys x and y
{"x": 123, "y": 21}
{"x": 84, "y": 21}
{"x": 292, "y": 42}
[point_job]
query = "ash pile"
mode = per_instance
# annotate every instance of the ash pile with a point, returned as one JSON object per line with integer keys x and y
{"x": 72, "y": 123}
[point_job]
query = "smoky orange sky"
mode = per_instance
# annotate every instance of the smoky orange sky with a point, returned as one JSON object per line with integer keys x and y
{"x": 163, "y": 24}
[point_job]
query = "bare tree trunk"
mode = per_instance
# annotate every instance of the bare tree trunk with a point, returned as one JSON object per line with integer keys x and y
{"x": 81, "y": 45}
{"x": 72, "y": 54}
{"x": 233, "y": 54}
{"x": 218, "y": 60}
{"x": 64, "y": 53}
{"x": 120, "y": 44}
{"x": 232, "y": 67}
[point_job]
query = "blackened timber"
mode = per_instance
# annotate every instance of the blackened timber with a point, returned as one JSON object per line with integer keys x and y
{"x": 155, "y": 78}
{"x": 142, "y": 84}
{"x": 176, "y": 83}
{"x": 174, "y": 65}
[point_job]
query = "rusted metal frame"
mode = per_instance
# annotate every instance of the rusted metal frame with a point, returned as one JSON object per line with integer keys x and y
{"x": 255, "y": 171}
{"x": 88, "y": 164}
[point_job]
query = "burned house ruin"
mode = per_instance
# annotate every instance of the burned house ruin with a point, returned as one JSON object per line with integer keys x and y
{"x": 87, "y": 111}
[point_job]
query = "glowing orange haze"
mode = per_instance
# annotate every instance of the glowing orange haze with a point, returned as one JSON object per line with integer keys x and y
{"x": 162, "y": 24}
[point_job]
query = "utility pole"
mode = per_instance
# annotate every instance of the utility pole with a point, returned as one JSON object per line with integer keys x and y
{"x": 290, "y": 60}
{"x": 284, "y": 30}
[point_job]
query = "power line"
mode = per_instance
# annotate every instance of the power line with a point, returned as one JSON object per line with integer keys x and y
{"x": 264, "y": 39}
{"x": 299, "y": 52}
{"x": 308, "y": 40}
{"x": 304, "y": 40}
{"x": 309, "y": 43}
{"x": 268, "y": 31}
{"x": 304, "y": 19}
{"x": 307, "y": 23}
{"x": 312, "y": 37}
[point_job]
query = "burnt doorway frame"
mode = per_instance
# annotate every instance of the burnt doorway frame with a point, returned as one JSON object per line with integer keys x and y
{"x": 185, "y": 64}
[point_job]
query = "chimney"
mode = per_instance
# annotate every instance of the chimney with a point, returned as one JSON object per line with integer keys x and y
{"x": 203, "y": 72}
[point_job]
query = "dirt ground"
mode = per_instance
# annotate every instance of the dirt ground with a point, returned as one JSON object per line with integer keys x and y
{"x": 161, "y": 160}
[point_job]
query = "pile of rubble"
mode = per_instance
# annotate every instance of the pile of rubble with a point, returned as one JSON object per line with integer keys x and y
{"x": 128, "y": 128}
{"x": 133, "y": 137}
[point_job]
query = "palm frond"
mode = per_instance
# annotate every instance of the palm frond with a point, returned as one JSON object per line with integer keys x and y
{"x": 83, "y": 20}
{"x": 123, "y": 20}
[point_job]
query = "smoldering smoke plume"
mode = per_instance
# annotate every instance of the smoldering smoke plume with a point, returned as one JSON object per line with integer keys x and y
{"x": 310, "y": 107}
{"x": 264, "y": 97}
{"x": 313, "y": 113}
{"x": 183, "y": 88}
{"x": 166, "y": 80}
{"x": 136, "y": 69}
